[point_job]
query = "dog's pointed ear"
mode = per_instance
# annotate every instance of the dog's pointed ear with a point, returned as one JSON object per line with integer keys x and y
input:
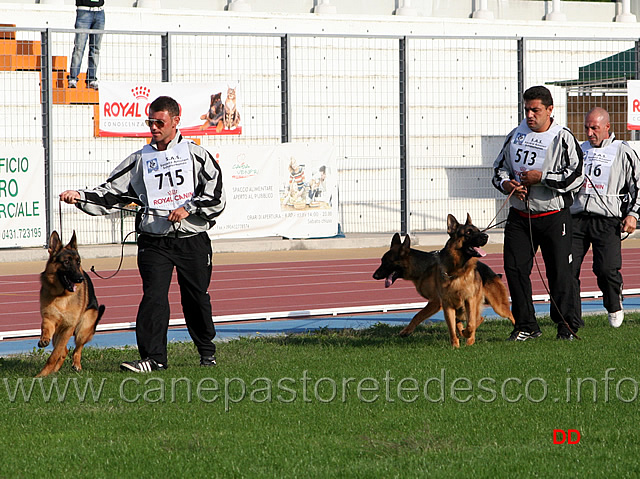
{"x": 73, "y": 243}
{"x": 452, "y": 224}
{"x": 55, "y": 244}
{"x": 468, "y": 223}
{"x": 406, "y": 244}
{"x": 395, "y": 240}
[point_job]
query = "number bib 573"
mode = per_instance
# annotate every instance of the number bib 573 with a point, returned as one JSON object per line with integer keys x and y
{"x": 529, "y": 149}
{"x": 597, "y": 167}
{"x": 168, "y": 176}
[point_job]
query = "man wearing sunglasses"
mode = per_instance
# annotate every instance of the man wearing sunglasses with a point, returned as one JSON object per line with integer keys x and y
{"x": 178, "y": 186}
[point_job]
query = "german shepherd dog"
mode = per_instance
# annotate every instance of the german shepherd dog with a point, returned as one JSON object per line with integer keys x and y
{"x": 68, "y": 304}
{"x": 215, "y": 115}
{"x": 452, "y": 279}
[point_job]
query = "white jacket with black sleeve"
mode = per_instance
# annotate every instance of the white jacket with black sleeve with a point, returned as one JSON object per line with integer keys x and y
{"x": 126, "y": 185}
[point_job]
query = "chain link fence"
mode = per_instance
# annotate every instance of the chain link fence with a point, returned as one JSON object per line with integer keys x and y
{"x": 416, "y": 121}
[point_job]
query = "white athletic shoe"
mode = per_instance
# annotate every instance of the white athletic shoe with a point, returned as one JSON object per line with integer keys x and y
{"x": 615, "y": 319}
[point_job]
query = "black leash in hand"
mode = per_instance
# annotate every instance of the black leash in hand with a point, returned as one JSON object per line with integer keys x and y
{"x": 544, "y": 283}
{"x": 93, "y": 268}
{"x": 504, "y": 203}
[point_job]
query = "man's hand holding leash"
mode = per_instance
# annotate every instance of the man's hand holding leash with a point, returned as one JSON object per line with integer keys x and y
{"x": 72, "y": 196}
{"x": 519, "y": 191}
{"x": 629, "y": 224}
{"x": 531, "y": 177}
{"x": 178, "y": 215}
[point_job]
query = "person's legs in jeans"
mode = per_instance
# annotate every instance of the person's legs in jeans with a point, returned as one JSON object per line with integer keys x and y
{"x": 84, "y": 19}
{"x": 95, "y": 39}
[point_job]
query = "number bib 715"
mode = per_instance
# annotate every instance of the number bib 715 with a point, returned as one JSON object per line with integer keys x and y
{"x": 529, "y": 149}
{"x": 168, "y": 176}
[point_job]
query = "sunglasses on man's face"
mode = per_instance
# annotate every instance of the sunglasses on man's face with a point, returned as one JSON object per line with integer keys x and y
{"x": 152, "y": 121}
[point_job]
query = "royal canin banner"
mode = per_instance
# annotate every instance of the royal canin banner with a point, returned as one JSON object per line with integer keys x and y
{"x": 633, "y": 104}
{"x": 288, "y": 190}
{"x": 205, "y": 109}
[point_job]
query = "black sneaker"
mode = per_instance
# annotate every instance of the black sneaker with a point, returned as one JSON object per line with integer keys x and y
{"x": 523, "y": 335}
{"x": 566, "y": 336}
{"x": 142, "y": 366}
{"x": 207, "y": 361}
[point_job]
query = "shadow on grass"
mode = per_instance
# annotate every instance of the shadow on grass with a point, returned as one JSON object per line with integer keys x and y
{"x": 427, "y": 334}
{"x": 95, "y": 360}
{"x": 430, "y": 334}
{"x": 20, "y": 366}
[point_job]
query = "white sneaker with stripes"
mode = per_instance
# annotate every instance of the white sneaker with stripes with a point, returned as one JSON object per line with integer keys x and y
{"x": 142, "y": 366}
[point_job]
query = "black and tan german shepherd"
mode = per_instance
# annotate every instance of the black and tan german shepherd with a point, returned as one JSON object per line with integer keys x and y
{"x": 452, "y": 279}
{"x": 68, "y": 304}
{"x": 215, "y": 115}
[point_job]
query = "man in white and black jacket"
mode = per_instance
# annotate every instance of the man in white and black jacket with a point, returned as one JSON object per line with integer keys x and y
{"x": 606, "y": 206}
{"x": 178, "y": 186}
{"x": 541, "y": 166}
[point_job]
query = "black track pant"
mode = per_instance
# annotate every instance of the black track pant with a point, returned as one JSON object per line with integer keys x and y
{"x": 552, "y": 234}
{"x": 157, "y": 257}
{"x": 603, "y": 234}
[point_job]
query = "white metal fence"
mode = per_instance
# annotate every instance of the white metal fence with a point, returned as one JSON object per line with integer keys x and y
{"x": 416, "y": 121}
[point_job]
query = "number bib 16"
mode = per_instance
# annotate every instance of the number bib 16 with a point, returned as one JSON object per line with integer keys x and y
{"x": 168, "y": 176}
{"x": 597, "y": 166}
{"x": 529, "y": 149}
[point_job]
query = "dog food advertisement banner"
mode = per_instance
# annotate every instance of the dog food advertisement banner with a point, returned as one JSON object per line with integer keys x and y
{"x": 633, "y": 104}
{"x": 285, "y": 190}
{"x": 22, "y": 202}
{"x": 205, "y": 108}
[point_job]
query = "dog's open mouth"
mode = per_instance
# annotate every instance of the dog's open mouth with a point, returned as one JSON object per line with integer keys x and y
{"x": 474, "y": 247}
{"x": 389, "y": 280}
{"x": 67, "y": 283}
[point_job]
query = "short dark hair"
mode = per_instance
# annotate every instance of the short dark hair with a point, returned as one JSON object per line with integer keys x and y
{"x": 165, "y": 103}
{"x": 538, "y": 93}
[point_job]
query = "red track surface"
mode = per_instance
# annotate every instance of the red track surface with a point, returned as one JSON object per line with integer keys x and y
{"x": 260, "y": 288}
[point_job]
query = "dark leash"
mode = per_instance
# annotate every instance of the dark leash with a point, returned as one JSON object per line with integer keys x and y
{"x": 124, "y": 240}
{"x": 504, "y": 203}
{"x": 128, "y": 210}
{"x": 535, "y": 259}
{"x": 544, "y": 283}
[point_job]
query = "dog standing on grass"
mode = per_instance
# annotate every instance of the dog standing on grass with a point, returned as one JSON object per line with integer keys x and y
{"x": 452, "y": 279}
{"x": 68, "y": 304}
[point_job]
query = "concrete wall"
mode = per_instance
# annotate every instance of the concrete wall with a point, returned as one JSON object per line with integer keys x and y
{"x": 524, "y": 10}
{"x": 434, "y": 17}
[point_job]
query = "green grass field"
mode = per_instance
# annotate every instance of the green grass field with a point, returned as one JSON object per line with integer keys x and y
{"x": 336, "y": 404}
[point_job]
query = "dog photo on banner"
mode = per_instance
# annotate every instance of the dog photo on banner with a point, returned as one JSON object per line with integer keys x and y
{"x": 285, "y": 190}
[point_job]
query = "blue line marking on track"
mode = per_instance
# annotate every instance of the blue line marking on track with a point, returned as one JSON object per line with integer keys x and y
{"x": 252, "y": 329}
